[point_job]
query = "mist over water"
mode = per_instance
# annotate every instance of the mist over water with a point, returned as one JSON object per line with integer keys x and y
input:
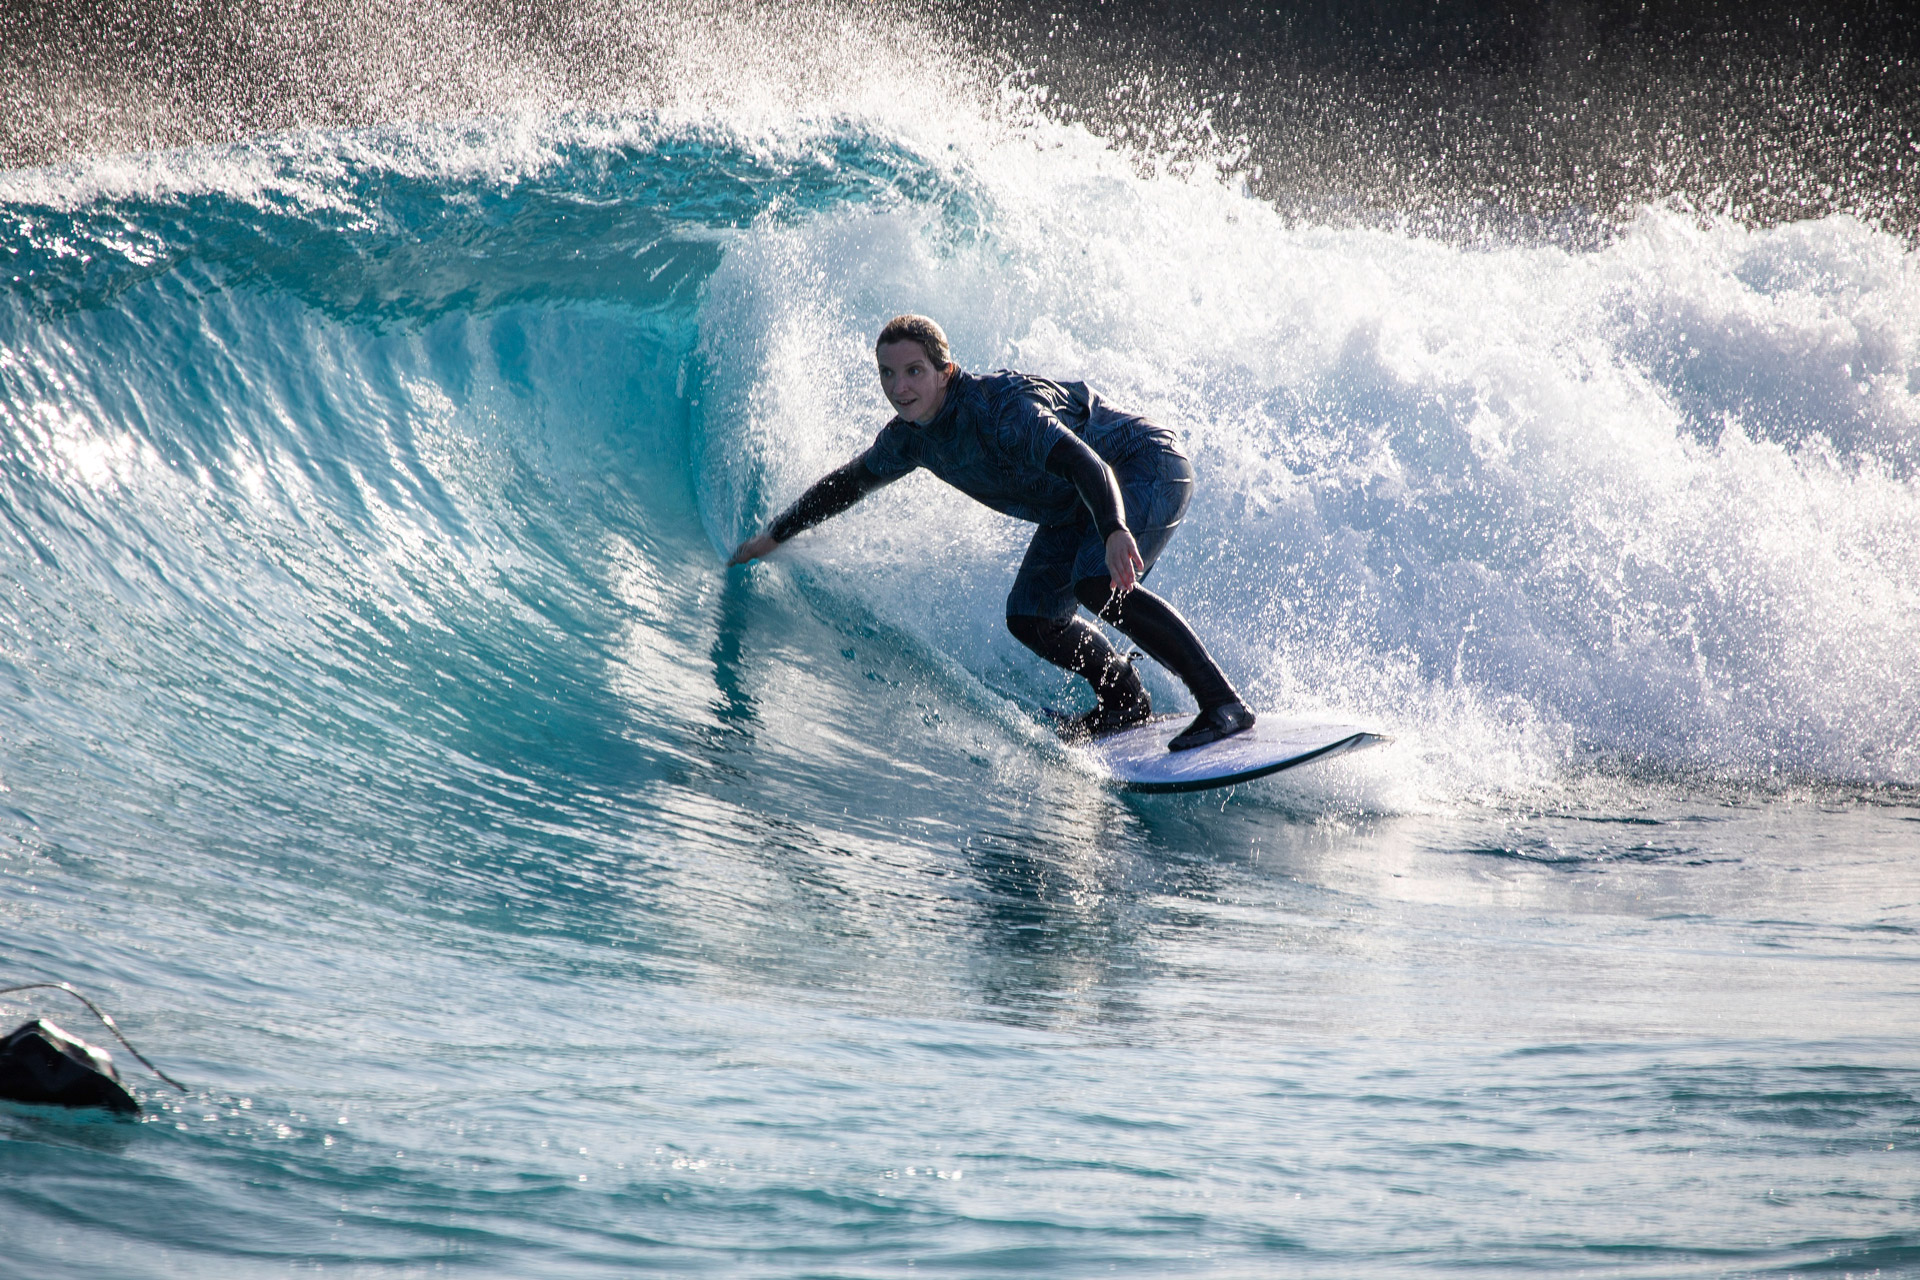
{"x": 1552, "y": 119}
{"x": 519, "y": 892}
{"x": 1558, "y": 118}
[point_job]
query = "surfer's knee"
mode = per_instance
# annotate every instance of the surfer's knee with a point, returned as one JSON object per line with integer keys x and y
{"x": 1038, "y": 634}
{"x": 1023, "y": 625}
{"x": 1097, "y": 595}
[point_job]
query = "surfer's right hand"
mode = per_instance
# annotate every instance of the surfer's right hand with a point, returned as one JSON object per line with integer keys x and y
{"x": 753, "y": 549}
{"x": 1124, "y": 565}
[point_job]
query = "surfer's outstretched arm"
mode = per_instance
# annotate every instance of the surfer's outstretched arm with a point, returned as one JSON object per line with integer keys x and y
{"x": 826, "y": 498}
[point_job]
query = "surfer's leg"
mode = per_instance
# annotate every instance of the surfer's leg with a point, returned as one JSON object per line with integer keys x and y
{"x": 1157, "y": 489}
{"x": 1158, "y": 628}
{"x": 1041, "y": 612}
{"x": 1163, "y": 634}
{"x": 1077, "y": 646}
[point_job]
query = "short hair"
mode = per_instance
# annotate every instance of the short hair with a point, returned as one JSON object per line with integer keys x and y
{"x": 920, "y": 329}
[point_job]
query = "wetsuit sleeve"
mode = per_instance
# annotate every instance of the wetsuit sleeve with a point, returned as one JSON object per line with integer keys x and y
{"x": 1072, "y": 460}
{"x": 828, "y": 497}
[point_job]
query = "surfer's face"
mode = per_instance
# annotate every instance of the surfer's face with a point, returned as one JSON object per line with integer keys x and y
{"x": 913, "y": 386}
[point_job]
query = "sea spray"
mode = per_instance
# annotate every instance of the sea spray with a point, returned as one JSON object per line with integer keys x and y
{"x": 1651, "y": 502}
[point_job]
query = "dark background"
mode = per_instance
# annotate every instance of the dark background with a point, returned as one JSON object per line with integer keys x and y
{"x": 1565, "y": 110}
{"x": 1564, "y": 115}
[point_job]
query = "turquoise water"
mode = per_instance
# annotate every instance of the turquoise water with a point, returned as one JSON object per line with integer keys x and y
{"x": 519, "y": 892}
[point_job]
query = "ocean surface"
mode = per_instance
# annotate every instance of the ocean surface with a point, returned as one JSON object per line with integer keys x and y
{"x": 519, "y": 892}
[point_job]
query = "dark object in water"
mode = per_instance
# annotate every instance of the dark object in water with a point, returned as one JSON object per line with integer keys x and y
{"x": 25, "y": 1064}
{"x": 41, "y": 1063}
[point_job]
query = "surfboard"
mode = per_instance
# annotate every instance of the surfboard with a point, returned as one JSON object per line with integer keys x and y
{"x": 1138, "y": 760}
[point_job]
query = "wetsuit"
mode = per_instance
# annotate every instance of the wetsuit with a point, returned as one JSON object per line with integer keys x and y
{"x": 1058, "y": 456}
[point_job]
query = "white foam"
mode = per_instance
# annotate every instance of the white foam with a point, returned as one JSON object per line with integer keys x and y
{"x": 1520, "y": 506}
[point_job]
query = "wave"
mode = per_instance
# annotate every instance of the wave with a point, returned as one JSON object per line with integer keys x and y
{"x": 378, "y": 444}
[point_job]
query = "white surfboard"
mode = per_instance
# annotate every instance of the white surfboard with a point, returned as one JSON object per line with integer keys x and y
{"x": 1138, "y": 759}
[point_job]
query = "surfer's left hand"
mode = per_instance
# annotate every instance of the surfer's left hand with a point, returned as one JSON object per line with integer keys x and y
{"x": 753, "y": 549}
{"x": 1124, "y": 564}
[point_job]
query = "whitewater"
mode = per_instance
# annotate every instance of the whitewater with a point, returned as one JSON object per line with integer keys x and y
{"x": 519, "y": 891}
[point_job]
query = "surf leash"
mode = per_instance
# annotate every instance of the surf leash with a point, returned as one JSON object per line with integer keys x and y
{"x": 101, "y": 1014}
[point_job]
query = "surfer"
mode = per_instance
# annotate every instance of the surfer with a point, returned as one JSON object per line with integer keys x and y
{"x": 1106, "y": 488}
